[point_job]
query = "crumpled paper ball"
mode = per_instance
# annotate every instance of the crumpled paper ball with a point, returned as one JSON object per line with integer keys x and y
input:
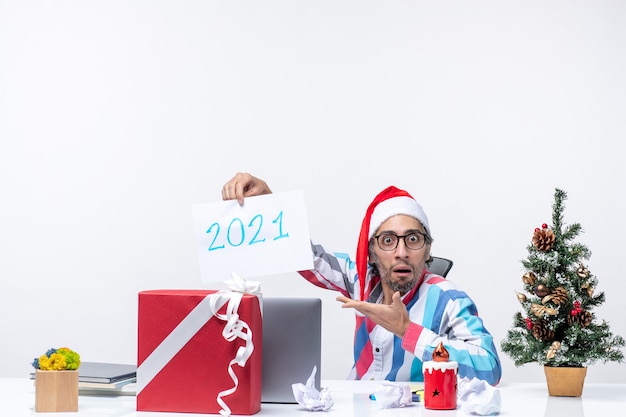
{"x": 393, "y": 395}
{"x": 309, "y": 397}
{"x": 476, "y": 396}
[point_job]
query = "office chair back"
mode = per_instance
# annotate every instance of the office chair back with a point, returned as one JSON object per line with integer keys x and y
{"x": 440, "y": 266}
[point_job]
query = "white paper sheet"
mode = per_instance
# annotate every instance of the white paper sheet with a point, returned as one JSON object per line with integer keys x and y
{"x": 267, "y": 235}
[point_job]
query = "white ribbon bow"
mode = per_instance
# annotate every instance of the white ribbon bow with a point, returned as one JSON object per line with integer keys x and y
{"x": 239, "y": 284}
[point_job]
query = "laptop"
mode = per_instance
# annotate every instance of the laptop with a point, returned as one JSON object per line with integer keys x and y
{"x": 292, "y": 346}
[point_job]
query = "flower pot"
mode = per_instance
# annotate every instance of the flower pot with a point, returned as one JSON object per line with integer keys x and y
{"x": 565, "y": 381}
{"x": 56, "y": 391}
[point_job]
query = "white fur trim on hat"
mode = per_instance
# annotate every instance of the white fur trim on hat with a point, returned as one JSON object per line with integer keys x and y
{"x": 394, "y": 206}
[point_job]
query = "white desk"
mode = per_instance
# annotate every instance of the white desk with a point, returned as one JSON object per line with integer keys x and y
{"x": 17, "y": 399}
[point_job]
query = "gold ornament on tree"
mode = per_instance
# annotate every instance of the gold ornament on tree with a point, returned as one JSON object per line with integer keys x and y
{"x": 556, "y": 345}
{"x": 588, "y": 287}
{"x": 543, "y": 239}
{"x": 582, "y": 271}
{"x": 539, "y": 310}
{"x": 541, "y": 290}
{"x": 529, "y": 278}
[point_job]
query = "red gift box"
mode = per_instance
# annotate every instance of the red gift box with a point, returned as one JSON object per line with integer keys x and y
{"x": 186, "y": 364}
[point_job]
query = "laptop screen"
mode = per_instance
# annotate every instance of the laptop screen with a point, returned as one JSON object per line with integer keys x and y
{"x": 292, "y": 345}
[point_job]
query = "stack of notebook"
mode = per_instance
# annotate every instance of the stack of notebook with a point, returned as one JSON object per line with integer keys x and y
{"x": 103, "y": 378}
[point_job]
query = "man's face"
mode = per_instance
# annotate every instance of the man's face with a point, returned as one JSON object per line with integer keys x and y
{"x": 400, "y": 268}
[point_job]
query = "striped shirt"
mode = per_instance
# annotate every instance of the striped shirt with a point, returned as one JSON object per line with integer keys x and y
{"x": 439, "y": 312}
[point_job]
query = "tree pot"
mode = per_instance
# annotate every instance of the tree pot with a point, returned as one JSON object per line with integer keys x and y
{"x": 56, "y": 391}
{"x": 565, "y": 381}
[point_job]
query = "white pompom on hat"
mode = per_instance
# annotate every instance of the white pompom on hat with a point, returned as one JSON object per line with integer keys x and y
{"x": 389, "y": 202}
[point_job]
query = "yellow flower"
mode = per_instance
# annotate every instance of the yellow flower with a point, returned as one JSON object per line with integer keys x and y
{"x": 56, "y": 362}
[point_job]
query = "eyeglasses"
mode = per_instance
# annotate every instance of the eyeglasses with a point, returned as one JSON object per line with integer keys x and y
{"x": 389, "y": 241}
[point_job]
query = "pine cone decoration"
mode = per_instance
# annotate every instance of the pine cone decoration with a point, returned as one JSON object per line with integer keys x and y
{"x": 541, "y": 331}
{"x": 559, "y": 296}
{"x": 543, "y": 239}
{"x": 582, "y": 318}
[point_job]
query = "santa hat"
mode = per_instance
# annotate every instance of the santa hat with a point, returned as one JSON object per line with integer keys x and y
{"x": 389, "y": 202}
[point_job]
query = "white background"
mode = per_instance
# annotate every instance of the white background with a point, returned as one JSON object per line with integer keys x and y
{"x": 117, "y": 116}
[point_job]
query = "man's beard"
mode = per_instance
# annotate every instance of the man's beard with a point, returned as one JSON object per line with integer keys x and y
{"x": 402, "y": 288}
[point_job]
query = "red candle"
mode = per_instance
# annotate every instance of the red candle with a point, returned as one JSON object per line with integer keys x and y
{"x": 440, "y": 381}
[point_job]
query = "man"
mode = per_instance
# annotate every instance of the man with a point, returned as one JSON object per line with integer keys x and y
{"x": 402, "y": 310}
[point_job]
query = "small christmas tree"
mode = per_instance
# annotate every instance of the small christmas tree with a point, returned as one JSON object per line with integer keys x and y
{"x": 557, "y": 326}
